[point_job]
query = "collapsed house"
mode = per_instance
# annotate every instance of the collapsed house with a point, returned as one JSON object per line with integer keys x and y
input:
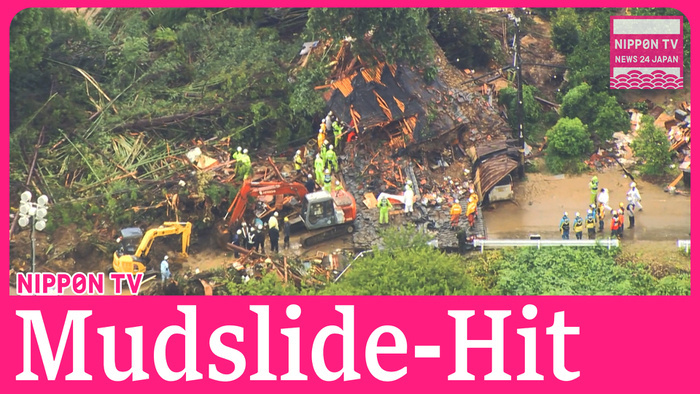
{"x": 410, "y": 129}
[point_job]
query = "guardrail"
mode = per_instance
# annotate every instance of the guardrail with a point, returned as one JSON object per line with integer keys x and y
{"x": 684, "y": 244}
{"x": 509, "y": 243}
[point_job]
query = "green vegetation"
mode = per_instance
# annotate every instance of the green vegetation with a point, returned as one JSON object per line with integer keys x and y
{"x": 600, "y": 112}
{"x": 652, "y": 147}
{"x": 565, "y": 30}
{"x": 568, "y": 142}
{"x": 579, "y": 271}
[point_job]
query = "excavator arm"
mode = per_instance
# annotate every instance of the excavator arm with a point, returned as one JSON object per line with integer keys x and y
{"x": 256, "y": 189}
{"x": 168, "y": 228}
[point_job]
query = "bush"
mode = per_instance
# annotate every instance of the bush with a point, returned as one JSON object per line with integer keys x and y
{"x": 652, "y": 147}
{"x": 578, "y": 271}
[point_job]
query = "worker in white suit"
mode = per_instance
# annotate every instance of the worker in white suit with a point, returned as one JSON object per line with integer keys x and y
{"x": 408, "y": 200}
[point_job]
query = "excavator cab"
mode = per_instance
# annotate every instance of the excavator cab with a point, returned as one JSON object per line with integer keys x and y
{"x": 335, "y": 213}
{"x": 129, "y": 241}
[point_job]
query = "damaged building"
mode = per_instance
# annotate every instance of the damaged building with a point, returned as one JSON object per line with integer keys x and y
{"x": 445, "y": 137}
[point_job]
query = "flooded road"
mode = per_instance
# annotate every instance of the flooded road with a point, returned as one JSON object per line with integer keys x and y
{"x": 542, "y": 200}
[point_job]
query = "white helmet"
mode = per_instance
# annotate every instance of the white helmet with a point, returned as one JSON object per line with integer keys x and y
{"x": 330, "y": 113}
{"x": 327, "y": 171}
{"x": 238, "y": 232}
{"x": 318, "y": 156}
{"x": 276, "y": 214}
{"x": 633, "y": 184}
{"x": 166, "y": 257}
{"x": 309, "y": 176}
{"x": 325, "y": 142}
{"x": 330, "y": 147}
{"x": 259, "y": 227}
{"x": 320, "y": 131}
{"x": 589, "y": 211}
{"x": 298, "y": 152}
{"x": 337, "y": 182}
{"x": 239, "y": 149}
{"x": 566, "y": 214}
{"x": 243, "y": 223}
{"x": 578, "y": 214}
{"x": 456, "y": 201}
{"x": 409, "y": 182}
{"x": 245, "y": 151}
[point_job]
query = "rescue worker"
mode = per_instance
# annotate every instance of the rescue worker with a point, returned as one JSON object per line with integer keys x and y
{"x": 384, "y": 207}
{"x": 310, "y": 184}
{"x": 601, "y": 218}
{"x": 578, "y": 226}
{"x": 245, "y": 235}
{"x": 473, "y": 195}
{"x": 327, "y": 181}
{"x": 287, "y": 231}
{"x": 594, "y": 209}
{"x": 331, "y": 159}
{"x": 164, "y": 269}
{"x": 633, "y": 193}
{"x": 246, "y": 168}
{"x": 621, "y": 215}
{"x": 593, "y": 185}
{"x": 328, "y": 121}
{"x": 324, "y": 150}
{"x": 408, "y": 201}
{"x": 272, "y": 222}
{"x": 471, "y": 211}
{"x": 630, "y": 211}
{"x": 298, "y": 162}
{"x": 274, "y": 234}
{"x": 455, "y": 212}
{"x": 614, "y": 225}
{"x": 260, "y": 239}
{"x": 251, "y": 238}
{"x": 564, "y": 225}
{"x": 237, "y": 241}
{"x": 604, "y": 198}
{"x": 590, "y": 224}
{"x": 237, "y": 154}
{"x": 318, "y": 168}
{"x": 337, "y": 132}
{"x": 321, "y": 136}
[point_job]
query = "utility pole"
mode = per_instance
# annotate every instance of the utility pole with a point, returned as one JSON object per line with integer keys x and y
{"x": 517, "y": 63}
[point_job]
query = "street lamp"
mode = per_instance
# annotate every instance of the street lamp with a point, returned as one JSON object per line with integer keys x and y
{"x": 37, "y": 212}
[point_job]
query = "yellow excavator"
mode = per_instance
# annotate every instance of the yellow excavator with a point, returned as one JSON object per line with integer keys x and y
{"x": 134, "y": 245}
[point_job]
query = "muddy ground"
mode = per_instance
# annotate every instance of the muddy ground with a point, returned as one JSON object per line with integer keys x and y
{"x": 541, "y": 201}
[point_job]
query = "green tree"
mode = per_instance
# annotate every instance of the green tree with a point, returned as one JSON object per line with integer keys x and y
{"x": 599, "y": 111}
{"x": 652, "y": 148}
{"x": 590, "y": 60}
{"x": 532, "y": 110}
{"x": 567, "y": 142}
{"x": 565, "y": 30}
{"x": 400, "y": 34}
{"x": 406, "y": 265}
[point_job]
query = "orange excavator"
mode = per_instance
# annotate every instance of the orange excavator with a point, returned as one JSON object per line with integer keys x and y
{"x": 325, "y": 215}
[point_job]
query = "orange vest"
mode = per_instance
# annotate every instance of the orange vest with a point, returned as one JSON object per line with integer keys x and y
{"x": 614, "y": 223}
{"x": 471, "y": 208}
{"x": 456, "y": 209}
